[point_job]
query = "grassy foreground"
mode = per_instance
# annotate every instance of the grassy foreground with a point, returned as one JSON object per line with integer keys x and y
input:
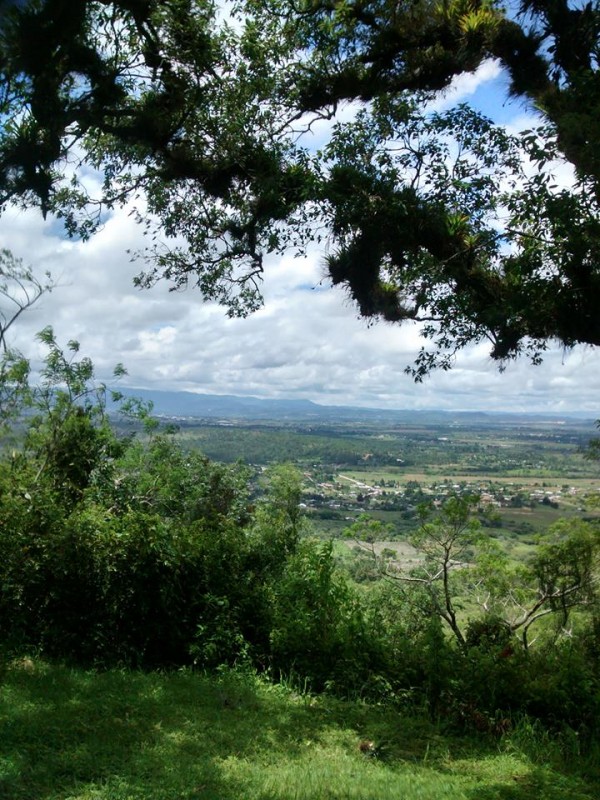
{"x": 73, "y": 735}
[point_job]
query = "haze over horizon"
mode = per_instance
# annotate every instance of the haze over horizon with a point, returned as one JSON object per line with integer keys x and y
{"x": 199, "y": 405}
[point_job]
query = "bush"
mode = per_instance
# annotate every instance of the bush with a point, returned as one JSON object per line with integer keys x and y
{"x": 119, "y": 589}
{"x": 562, "y": 688}
{"x": 126, "y": 568}
{"x": 319, "y": 630}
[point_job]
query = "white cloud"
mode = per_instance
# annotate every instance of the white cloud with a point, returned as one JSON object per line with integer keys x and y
{"x": 466, "y": 84}
{"x": 306, "y": 343}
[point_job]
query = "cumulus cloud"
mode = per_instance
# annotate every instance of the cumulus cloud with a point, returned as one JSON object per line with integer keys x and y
{"x": 465, "y": 85}
{"x": 307, "y": 342}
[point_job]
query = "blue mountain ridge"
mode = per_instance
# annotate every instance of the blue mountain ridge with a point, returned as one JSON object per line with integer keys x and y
{"x": 232, "y": 407}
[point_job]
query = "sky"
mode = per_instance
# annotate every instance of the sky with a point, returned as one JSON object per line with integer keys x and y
{"x": 307, "y": 342}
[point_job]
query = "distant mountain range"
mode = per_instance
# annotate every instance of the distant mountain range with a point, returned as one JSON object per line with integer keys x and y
{"x": 233, "y": 407}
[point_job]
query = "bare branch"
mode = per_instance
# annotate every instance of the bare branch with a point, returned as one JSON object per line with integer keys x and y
{"x": 20, "y": 289}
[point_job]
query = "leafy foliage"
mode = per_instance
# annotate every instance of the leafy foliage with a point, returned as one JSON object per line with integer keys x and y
{"x": 20, "y": 289}
{"x": 318, "y": 631}
{"x": 440, "y": 219}
{"x": 139, "y": 552}
{"x": 460, "y": 565}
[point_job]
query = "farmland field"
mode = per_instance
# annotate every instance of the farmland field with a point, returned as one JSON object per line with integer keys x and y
{"x": 528, "y": 472}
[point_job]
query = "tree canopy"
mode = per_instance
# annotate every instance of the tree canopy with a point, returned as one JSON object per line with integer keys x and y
{"x": 203, "y": 119}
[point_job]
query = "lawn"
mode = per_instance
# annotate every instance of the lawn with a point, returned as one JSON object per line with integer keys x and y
{"x": 73, "y": 735}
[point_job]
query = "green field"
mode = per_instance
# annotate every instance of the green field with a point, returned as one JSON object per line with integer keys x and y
{"x": 74, "y": 735}
{"x": 534, "y": 472}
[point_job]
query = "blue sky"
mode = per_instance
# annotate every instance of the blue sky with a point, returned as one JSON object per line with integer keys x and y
{"x": 307, "y": 342}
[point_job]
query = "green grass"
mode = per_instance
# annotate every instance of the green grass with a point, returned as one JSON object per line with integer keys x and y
{"x": 74, "y": 735}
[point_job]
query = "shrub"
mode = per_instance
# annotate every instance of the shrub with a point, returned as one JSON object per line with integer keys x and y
{"x": 318, "y": 629}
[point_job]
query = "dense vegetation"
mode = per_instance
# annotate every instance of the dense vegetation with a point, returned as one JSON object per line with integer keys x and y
{"x": 121, "y": 551}
{"x": 138, "y": 552}
{"x": 507, "y": 449}
{"x": 124, "y": 550}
